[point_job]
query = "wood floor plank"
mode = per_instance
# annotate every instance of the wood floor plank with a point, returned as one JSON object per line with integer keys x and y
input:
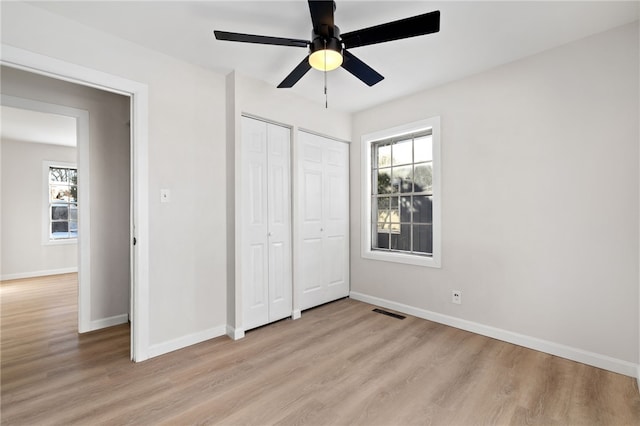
{"x": 340, "y": 364}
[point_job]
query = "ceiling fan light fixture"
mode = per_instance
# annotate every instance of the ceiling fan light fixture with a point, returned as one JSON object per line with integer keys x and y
{"x": 325, "y": 56}
{"x": 325, "y": 60}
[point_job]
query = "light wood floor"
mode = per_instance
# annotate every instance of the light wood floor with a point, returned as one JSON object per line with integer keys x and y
{"x": 338, "y": 364}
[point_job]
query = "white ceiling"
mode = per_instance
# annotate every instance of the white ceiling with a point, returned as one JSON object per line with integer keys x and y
{"x": 474, "y": 36}
{"x": 38, "y": 127}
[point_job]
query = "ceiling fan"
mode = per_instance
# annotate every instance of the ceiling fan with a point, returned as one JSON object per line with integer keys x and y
{"x": 328, "y": 48}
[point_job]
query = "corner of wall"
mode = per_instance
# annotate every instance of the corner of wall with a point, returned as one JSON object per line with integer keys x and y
{"x": 235, "y": 333}
{"x": 230, "y": 136}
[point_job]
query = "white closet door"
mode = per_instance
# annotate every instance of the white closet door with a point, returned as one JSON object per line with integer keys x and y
{"x": 336, "y": 220}
{"x": 265, "y": 229}
{"x": 254, "y": 281}
{"x": 309, "y": 269}
{"x": 279, "y": 217}
{"x": 322, "y": 268}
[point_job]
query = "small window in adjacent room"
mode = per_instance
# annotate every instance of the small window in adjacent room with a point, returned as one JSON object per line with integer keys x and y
{"x": 401, "y": 195}
{"x": 62, "y": 202}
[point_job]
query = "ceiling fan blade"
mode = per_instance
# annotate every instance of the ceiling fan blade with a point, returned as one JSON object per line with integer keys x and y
{"x": 251, "y": 38}
{"x": 295, "y": 75}
{"x": 403, "y": 28}
{"x": 361, "y": 70}
{"x": 322, "y": 16}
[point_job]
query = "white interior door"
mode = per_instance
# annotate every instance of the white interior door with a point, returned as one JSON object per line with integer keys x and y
{"x": 279, "y": 221}
{"x": 265, "y": 189}
{"x": 254, "y": 283}
{"x": 322, "y": 273}
{"x": 336, "y": 220}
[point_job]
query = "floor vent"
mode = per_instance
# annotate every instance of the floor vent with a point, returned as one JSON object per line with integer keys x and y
{"x": 390, "y": 314}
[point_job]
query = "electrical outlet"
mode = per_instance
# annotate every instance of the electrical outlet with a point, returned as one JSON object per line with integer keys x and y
{"x": 456, "y": 297}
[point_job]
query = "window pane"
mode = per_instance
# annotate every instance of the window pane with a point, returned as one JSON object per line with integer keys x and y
{"x": 60, "y": 226}
{"x": 382, "y": 210}
{"x": 73, "y": 193}
{"x": 59, "y": 212}
{"x": 384, "y": 181}
{"x": 384, "y": 155}
{"x": 405, "y": 209}
{"x": 73, "y": 176}
{"x": 394, "y": 212}
{"x": 401, "y": 178}
{"x": 402, "y": 239}
{"x": 402, "y": 152}
{"x": 423, "y": 177}
{"x": 422, "y": 149}
{"x": 382, "y": 240}
{"x": 58, "y": 175}
{"x": 422, "y": 209}
{"x": 73, "y": 212}
{"x": 73, "y": 226}
{"x": 423, "y": 238}
{"x": 59, "y": 192}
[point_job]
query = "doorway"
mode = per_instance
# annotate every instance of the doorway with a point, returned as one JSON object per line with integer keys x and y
{"x": 85, "y": 197}
{"x": 136, "y": 93}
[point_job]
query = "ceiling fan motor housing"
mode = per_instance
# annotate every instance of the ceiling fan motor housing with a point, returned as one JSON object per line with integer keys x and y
{"x": 332, "y": 40}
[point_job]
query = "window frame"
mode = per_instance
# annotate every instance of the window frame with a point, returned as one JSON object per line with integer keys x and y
{"x": 367, "y": 142}
{"x": 46, "y": 222}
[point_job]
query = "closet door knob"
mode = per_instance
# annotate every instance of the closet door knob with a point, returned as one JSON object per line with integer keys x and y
{"x": 269, "y": 234}
{"x": 321, "y": 229}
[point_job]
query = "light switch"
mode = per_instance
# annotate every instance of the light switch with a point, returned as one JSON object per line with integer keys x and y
{"x": 165, "y": 195}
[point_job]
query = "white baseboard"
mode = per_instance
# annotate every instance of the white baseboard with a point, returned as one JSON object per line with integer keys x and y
{"x": 108, "y": 322}
{"x": 563, "y": 351}
{"x": 235, "y": 333}
{"x": 34, "y": 274}
{"x": 184, "y": 341}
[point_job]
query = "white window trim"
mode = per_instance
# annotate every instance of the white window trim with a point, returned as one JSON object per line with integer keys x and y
{"x": 434, "y": 261}
{"x": 46, "y": 240}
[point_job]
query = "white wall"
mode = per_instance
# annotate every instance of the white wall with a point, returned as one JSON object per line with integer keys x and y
{"x": 187, "y": 247}
{"x": 540, "y": 199}
{"x": 23, "y": 208}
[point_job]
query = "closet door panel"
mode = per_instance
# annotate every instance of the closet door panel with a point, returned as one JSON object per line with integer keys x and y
{"x": 322, "y": 199}
{"x": 254, "y": 224}
{"x": 279, "y": 218}
{"x": 311, "y": 271}
{"x": 336, "y": 221}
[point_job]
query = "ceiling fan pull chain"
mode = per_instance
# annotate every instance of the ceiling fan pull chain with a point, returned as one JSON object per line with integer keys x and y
{"x": 326, "y": 99}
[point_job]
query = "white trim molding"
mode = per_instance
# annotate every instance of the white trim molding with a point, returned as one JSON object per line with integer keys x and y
{"x": 34, "y": 274}
{"x": 235, "y": 333}
{"x": 108, "y": 322}
{"x": 184, "y": 341}
{"x": 579, "y": 355}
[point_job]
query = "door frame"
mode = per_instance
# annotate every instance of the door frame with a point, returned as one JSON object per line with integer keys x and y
{"x": 139, "y": 224}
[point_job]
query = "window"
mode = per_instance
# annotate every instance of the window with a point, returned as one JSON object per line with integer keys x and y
{"x": 62, "y": 202}
{"x": 401, "y": 194}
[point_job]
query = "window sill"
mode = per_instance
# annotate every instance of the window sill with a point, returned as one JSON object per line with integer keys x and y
{"x": 408, "y": 259}
{"x": 60, "y": 242}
